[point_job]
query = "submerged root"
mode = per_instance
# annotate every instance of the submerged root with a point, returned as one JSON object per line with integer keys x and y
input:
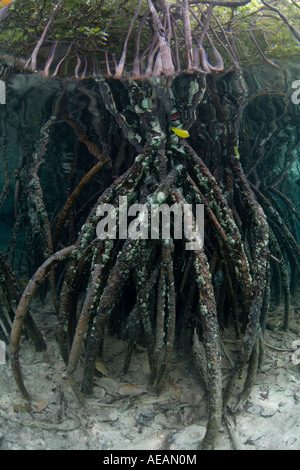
{"x": 161, "y": 286}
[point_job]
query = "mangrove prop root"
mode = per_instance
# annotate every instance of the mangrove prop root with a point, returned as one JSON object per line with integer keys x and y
{"x": 73, "y": 198}
{"x": 172, "y": 291}
{"x": 251, "y": 374}
{"x": 11, "y": 295}
{"x": 134, "y": 323}
{"x": 125, "y": 184}
{"x": 22, "y": 309}
{"x": 107, "y": 301}
{"x": 167, "y": 264}
{"x": 85, "y": 315}
{"x": 208, "y": 317}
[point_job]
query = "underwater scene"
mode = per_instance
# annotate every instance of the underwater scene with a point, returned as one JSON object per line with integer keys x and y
{"x": 150, "y": 227}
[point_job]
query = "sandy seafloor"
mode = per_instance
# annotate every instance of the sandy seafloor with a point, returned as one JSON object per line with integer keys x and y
{"x": 124, "y": 413}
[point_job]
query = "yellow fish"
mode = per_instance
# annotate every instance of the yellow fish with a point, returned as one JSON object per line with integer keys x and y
{"x": 3, "y": 3}
{"x": 180, "y": 132}
{"x": 237, "y": 153}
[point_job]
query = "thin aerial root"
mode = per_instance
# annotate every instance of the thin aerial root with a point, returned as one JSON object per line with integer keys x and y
{"x": 284, "y": 277}
{"x": 73, "y": 198}
{"x": 231, "y": 382}
{"x": 22, "y": 309}
{"x": 67, "y": 301}
{"x": 251, "y": 375}
{"x": 85, "y": 315}
{"x": 275, "y": 217}
{"x": 11, "y": 294}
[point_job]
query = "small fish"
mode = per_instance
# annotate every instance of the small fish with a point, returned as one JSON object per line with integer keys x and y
{"x": 180, "y": 132}
{"x": 237, "y": 154}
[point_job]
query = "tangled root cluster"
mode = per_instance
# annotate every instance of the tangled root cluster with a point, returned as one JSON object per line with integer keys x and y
{"x": 164, "y": 294}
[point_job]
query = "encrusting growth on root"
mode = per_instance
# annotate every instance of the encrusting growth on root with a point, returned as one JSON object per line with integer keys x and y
{"x": 167, "y": 292}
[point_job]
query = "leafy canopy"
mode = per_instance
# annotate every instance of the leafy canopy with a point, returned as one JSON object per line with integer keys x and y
{"x": 93, "y": 34}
